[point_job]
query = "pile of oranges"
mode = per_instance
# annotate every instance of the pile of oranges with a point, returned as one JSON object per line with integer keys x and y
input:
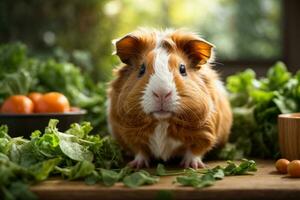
{"x": 292, "y": 168}
{"x": 52, "y": 102}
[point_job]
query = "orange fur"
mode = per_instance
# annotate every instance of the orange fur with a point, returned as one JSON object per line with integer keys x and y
{"x": 203, "y": 117}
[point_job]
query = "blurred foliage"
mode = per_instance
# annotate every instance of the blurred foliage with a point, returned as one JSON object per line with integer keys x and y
{"x": 256, "y": 104}
{"x": 79, "y": 27}
{"x": 240, "y": 29}
{"x": 81, "y": 31}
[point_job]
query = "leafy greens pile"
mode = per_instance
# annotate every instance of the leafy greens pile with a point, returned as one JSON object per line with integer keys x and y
{"x": 256, "y": 104}
{"x": 73, "y": 154}
{"x": 21, "y": 74}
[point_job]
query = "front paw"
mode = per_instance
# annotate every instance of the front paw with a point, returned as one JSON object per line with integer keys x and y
{"x": 191, "y": 160}
{"x": 139, "y": 161}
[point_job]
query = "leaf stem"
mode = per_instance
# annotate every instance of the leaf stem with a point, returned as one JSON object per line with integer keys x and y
{"x": 183, "y": 171}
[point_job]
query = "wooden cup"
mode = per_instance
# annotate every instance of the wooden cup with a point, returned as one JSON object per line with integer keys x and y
{"x": 289, "y": 135}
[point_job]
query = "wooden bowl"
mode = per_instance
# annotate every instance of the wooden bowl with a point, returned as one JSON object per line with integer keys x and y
{"x": 25, "y": 124}
{"x": 289, "y": 135}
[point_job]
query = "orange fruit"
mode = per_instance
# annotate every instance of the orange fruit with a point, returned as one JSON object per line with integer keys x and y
{"x": 294, "y": 168}
{"x": 35, "y": 96}
{"x": 19, "y": 104}
{"x": 53, "y": 102}
{"x": 281, "y": 165}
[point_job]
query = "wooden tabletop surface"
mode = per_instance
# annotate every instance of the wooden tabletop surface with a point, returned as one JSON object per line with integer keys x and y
{"x": 264, "y": 184}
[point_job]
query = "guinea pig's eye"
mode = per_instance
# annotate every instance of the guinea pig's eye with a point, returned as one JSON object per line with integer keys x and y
{"x": 142, "y": 70}
{"x": 182, "y": 70}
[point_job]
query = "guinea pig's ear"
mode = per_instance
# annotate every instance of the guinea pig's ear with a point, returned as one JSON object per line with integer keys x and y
{"x": 129, "y": 48}
{"x": 198, "y": 50}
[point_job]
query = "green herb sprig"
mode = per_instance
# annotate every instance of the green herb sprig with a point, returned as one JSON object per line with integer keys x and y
{"x": 207, "y": 177}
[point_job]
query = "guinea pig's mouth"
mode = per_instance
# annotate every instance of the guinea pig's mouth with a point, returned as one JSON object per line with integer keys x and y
{"x": 162, "y": 114}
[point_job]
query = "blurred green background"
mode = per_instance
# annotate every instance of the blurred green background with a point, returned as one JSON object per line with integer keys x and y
{"x": 81, "y": 31}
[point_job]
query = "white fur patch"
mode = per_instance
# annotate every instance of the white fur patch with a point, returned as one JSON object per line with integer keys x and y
{"x": 220, "y": 87}
{"x": 160, "y": 35}
{"x": 140, "y": 160}
{"x": 160, "y": 144}
{"x": 190, "y": 159}
{"x": 161, "y": 80}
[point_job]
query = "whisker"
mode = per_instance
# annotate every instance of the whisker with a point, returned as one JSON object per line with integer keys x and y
{"x": 218, "y": 63}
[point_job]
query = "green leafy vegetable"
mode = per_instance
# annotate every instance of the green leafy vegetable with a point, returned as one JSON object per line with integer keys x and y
{"x": 192, "y": 178}
{"x": 139, "y": 178}
{"x": 71, "y": 147}
{"x": 109, "y": 177}
{"x": 23, "y": 162}
{"x": 18, "y": 190}
{"x": 107, "y": 152}
{"x": 93, "y": 178}
{"x": 74, "y": 154}
{"x": 256, "y": 104}
{"x": 160, "y": 170}
{"x": 218, "y": 173}
{"x": 14, "y": 180}
{"x": 244, "y": 167}
{"x": 80, "y": 170}
{"x": 41, "y": 170}
{"x": 210, "y": 176}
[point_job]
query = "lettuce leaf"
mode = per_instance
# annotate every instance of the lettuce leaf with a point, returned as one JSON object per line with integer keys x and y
{"x": 74, "y": 154}
{"x": 256, "y": 104}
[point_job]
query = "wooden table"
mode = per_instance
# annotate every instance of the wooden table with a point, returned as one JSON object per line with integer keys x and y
{"x": 264, "y": 184}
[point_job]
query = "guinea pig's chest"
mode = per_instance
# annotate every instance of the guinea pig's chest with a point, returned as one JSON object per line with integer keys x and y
{"x": 160, "y": 143}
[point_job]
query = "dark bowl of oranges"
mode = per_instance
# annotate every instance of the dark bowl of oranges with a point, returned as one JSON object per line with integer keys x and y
{"x": 24, "y": 114}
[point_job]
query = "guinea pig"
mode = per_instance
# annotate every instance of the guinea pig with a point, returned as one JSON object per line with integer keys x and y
{"x": 166, "y": 100}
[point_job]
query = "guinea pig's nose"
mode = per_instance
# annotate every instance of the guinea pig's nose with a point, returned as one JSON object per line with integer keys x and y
{"x": 162, "y": 95}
